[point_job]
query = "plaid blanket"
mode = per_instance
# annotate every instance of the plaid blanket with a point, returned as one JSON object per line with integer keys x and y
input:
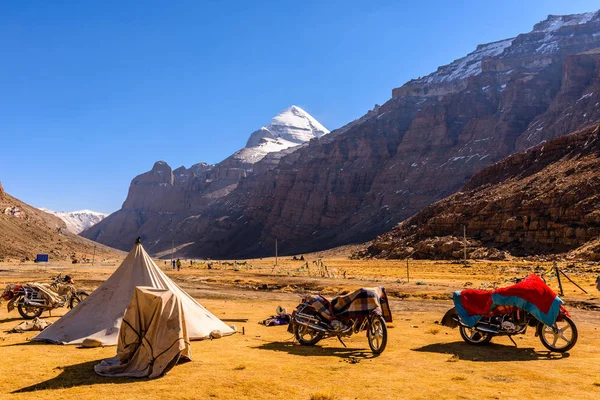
{"x": 359, "y": 303}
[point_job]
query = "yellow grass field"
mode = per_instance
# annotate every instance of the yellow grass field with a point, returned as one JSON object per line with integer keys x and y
{"x": 422, "y": 360}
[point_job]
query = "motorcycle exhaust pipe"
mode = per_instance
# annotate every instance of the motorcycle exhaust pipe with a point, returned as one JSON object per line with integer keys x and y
{"x": 310, "y": 325}
{"x": 34, "y": 304}
{"x": 308, "y": 317}
{"x": 480, "y": 328}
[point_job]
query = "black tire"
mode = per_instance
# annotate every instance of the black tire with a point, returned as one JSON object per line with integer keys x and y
{"x": 78, "y": 298}
{"x": 568, "y": 325}
{"x": 300, "y": 332}
{"x": 377, "y": 334}
{"x": 29, "y": 312}
{"x": 473, "y": 337}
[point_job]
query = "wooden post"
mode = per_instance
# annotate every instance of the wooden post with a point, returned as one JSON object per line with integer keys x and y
{"x": 94, "y": 256}
{"x": 573, "y": 282}
{"x": 561, "y": 293}
{"x": 276, "y": 253}
{"x": 465, "y": 241}
{"x": 407, "y": 272}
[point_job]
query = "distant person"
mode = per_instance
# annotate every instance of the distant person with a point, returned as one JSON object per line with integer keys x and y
{"x": 178, "y": 264}
{"x": 173, "y": 262}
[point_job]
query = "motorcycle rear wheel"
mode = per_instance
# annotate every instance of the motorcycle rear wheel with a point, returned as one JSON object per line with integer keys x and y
{"x": 78, "y": 298}
{"x": 28, "y": 312}
{"x": 377, "y": 334}
{"x": 307, "y": 336}
{"x": 560, "y": 337}
{"x": 474, "y": 337}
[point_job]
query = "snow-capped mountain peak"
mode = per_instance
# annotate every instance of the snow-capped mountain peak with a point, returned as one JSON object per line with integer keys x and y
{"x": 78, "y": 221}
{"x": 291, "y": 127}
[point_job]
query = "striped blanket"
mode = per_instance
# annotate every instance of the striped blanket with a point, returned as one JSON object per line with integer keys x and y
{"x": 359, "y": 303}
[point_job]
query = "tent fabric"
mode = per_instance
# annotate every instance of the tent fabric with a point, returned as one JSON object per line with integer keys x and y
{"x": 531, "y": 294}
{"x": 152, "y": 338}
{"x": 100, "y": 315}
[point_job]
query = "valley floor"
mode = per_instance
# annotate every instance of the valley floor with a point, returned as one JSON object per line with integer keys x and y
{"x": 422, "y": 360}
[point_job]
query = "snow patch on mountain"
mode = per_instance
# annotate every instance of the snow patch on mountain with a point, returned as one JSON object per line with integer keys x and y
{"x": 78, "y": 221}
{"x": 555, "y": 22}
{"x": 549, "y": 43}
{"x": 467, "y": 66}
{"x": 470, "y": 65}
{"x": 291, "y": 127}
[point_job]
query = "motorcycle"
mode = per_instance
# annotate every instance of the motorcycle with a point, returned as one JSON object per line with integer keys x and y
{"x": 509, "y": 320}
{"x": 366, "y": 309}
{"x": 32, "y": 299}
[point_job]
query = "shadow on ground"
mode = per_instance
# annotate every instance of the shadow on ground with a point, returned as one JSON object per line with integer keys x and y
{"x": 299, "y": 350}
{"x": 26, "y": 343}
{"x": 76, "y": 375}
{"x": 491, "y": 352}
{"x": 12, "y": 319}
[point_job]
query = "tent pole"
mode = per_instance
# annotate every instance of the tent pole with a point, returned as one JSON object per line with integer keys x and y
{"x": 276, "y": 255}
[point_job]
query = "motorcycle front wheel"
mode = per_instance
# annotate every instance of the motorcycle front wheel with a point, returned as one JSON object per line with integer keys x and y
{"x": 78, "y": 298}
{"x": 474, "y": 337}
{"x": 29, "y": 312}
{"x": 307, "y": 336}
{"x": 559, "y": 337}
{"x": 377, "y": 334}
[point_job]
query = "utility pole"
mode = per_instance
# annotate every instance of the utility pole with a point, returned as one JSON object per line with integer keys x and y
{"x": 276, "y": 253}
{"x": 94, "y": 255}
{"x": 407, "y": 273}
{"x": 465, "y": 241}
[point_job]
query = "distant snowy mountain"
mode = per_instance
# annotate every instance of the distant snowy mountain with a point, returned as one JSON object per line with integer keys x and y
{"x": 78, "y": 221}
{"x": 291, "y": 127}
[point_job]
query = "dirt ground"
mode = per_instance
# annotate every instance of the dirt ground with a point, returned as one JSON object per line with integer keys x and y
{"x": 422, "y": 360}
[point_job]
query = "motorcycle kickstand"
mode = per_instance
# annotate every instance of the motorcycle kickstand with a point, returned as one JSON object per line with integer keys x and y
{"x": 511, "y": 339}
{"x": 341, "y": 341}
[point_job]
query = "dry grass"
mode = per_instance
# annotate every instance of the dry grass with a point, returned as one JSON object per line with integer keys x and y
{"x": 433, "y": 330}
{"x": 323, "y": 396}
{"x": 265, "y": 363}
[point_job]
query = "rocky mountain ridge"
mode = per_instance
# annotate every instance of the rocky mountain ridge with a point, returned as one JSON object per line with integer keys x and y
{"x": 544, "y": 200}
{"x": 163, "y": 197}
{"x": 420, "y": 146}
{"x": 26, "y": 231}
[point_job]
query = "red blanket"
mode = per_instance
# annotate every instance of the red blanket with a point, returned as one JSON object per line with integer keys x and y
{"x": 531, "y": 289}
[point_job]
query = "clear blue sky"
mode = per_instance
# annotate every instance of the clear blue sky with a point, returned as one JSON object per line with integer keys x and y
{"x": 94, "y": 92}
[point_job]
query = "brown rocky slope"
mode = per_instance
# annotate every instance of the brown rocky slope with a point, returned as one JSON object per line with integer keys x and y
{"x": 26, "y": 231}
{"x": 545, "y": 200}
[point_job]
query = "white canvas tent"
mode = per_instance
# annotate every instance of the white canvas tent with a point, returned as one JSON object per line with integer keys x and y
{"x": 100, "y": 315}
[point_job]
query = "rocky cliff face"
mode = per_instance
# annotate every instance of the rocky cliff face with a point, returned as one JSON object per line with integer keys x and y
{"x": 420, "y": 146}
{"x": 160, "y": 199}
{"x": 542, "y": 200}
